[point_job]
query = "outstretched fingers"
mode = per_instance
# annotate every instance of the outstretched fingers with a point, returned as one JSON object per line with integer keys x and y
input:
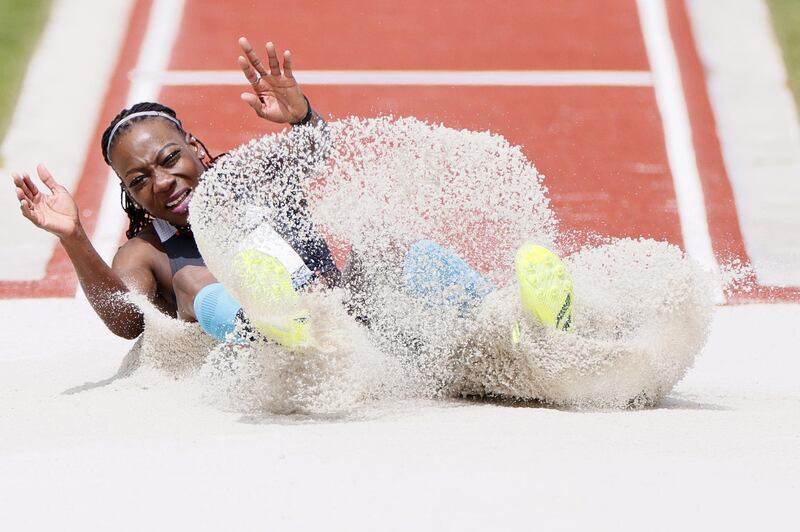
{"x": 48, "y": 179}
{"x": 249, "y": 72}
{"x": 272, "y": 57}
{"x": 24, "y": 195}
{"x": 24, "y": 185}
{"x": 254, "y": 69}
{"x": 252, "y": 56}
{"x": 21, "y": 195}
{"x": 30, "y": 187}
{"x": 287, "y": 64}
{"x": 26, "y": 207}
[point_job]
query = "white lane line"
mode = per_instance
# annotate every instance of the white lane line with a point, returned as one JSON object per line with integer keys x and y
{"x": 55, "y": 117}
{"x": 156, "y": 47}
{"x": 758, "y": 128}
{"x": 153, "y": 57}
{"x": 677, "y": 132}
{"x": 518, "y": 78}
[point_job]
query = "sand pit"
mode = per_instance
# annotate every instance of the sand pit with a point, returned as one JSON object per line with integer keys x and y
{"x": 148, "y": 451}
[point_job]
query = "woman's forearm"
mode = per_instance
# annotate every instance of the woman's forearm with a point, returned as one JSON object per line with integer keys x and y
{"x": 104, "y": 289}
{"x": 312, "y": 144}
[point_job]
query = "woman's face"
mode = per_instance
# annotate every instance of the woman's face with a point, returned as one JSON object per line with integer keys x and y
{"x": 159, "y": 167}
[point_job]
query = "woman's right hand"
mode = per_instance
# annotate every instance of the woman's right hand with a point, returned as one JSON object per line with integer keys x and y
{"x": 56, "y": 212}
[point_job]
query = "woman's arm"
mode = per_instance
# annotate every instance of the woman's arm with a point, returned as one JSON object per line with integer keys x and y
{"x": 277, "y": 97}
{"x": 57, "y": 213}
{"x": 106, "y": 287}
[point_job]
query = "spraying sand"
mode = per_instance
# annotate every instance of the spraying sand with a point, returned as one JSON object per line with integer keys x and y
{"x": 377, "y": 186}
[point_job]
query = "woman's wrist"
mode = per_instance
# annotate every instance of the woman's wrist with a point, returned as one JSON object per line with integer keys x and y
{"x": 307, "y": 117}
{"x": 75, "y": 236}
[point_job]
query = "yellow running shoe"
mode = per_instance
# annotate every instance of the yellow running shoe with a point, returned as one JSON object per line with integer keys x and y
{"x": 269, "y": 284}
{"x": 545, "y": 286}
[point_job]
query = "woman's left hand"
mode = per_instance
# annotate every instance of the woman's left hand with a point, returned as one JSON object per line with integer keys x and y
{"x": 276, "y": 95}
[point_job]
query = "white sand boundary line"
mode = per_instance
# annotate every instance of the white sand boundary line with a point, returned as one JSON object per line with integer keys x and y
{"x": 758, "y": 130}
{"x": 53, "y": 122}
{"x": 677, "y": 134}
{"x": 513, "y": 78}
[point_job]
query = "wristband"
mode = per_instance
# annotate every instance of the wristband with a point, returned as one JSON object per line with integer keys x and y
{"x": 307, "y": 118}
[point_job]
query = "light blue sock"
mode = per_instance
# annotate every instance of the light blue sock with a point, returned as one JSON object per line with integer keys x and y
{"x": 439, "y": 276}
{"x": 216, "y": 311}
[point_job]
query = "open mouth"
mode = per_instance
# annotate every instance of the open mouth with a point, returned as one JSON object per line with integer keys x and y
{"x": 179, "y": 204}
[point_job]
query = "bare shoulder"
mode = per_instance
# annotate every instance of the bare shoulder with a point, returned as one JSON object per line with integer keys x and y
{"x": 141, "y": 251}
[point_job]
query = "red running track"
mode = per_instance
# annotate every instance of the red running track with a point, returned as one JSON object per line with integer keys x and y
{"x": 602, "y": 148}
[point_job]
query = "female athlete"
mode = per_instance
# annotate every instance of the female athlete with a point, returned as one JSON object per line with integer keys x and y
{"x": 159, "y": 165}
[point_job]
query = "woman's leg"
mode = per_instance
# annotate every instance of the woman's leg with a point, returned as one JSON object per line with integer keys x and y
{"x": 201, "y": 298}
{"x": 426, "y": 271}
{"x": 439, "y": 276}
{"x": 186, "y": 283}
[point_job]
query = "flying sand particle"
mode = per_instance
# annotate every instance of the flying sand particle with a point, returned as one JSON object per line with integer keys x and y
{"x": 377, "y": 186}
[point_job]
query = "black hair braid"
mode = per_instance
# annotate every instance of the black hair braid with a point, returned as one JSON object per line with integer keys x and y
{"x": 137, "y": 216}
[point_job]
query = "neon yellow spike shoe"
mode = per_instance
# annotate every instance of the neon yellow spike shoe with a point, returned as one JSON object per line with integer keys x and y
{"x": 269, "y": 285}
{"x": 545, "y": 286}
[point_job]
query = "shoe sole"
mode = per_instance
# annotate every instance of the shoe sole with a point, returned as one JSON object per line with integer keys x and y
{"x": 545, "y": 286}
{"x": 270, "y": 282}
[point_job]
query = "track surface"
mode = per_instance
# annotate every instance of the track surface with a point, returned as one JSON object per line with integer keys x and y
{"x": 601, "y": 144}
{"x": 600, "y": 147}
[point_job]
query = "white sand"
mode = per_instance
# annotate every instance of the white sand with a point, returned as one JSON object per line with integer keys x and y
{"x": 642, "y": 308}
{"x": 146, "y": 452}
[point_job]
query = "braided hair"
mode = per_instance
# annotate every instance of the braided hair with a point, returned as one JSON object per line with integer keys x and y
{"x": 137, "y": 216}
